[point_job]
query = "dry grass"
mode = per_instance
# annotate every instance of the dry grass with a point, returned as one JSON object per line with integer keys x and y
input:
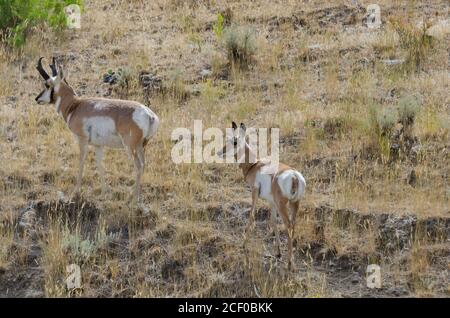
{"x": 316, "y": 82}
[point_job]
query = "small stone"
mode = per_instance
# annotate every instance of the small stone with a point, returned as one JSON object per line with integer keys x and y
{"x": 412, "y": 178}
{"x": 205, "y": 73}
{"x": 393, "y": 62}
{"x": 27, "y": 219}
{"x": 60, "y": 195}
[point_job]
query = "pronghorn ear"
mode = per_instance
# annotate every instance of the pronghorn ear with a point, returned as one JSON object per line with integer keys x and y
{"x": 53, "y": 67}
{"x": 243, "y": 128}
{"x": 61, "y": 73}
{"x": 233, "y": 125}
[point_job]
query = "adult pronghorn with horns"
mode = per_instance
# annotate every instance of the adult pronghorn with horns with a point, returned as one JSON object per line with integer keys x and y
{"x": 100, "y": 122}
{"x": 278, "y": 184}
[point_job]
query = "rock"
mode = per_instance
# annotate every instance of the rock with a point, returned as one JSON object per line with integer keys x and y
{"x": 110, "y": 78}
{"x": 396, "y": 232}
{"x": 34, "y": 294}
{"x": 205, "y": 73}
{"x": 150, "y": 81}
{"x": 315, "y": 47}
{"x": 27, "y": 219}
{"x": 60, "y": 195}
{"x": 440, "y": 29}
{"x": 393, "y": 62}
{"x": 412, "y": 178}
{"x": 194, "y": 91}
{"x": 397, "y": 291}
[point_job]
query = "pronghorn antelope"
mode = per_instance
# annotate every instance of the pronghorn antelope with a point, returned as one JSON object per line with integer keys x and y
{"x": 100, "y": 122}
{"x": 282, "y": 188}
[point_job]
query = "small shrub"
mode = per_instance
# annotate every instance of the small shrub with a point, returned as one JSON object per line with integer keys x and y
{"x": 218, "y": 26}
{"x": 123, "y": 81}
{"x": 79, "y": 249}
{"x": 415, "y": 41}
{"x": 386, "y": 120}
{"x": 196, "y": 40}
{"x": 227, "y": 15}
{"x": 336, "y": 127}
{"x": 17, "y": 17}
{"x": 408, "y": 108}
{"x": 175, "y": 87}
{"x": 240, "y": 45}
{"x": 382, "y": 123}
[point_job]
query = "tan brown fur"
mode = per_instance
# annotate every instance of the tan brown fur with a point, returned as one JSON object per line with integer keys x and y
{"x": 281, "y": 204}
{"x": 126, "y": 131}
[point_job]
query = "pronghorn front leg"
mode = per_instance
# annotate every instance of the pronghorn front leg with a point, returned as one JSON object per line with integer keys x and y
{"x": 82, "y": 158}
{"x": 101, "y": 169}
{"x": 251, "y": 219}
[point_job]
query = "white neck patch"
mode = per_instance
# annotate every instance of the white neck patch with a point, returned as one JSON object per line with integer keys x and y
{"x": 58, "y": 105}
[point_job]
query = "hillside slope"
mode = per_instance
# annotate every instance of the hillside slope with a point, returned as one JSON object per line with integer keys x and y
{"x": 377, "y": 192}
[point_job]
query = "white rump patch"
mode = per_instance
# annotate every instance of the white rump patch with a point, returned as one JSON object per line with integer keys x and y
{"x": 101, "y": 131}
{"x": 146, "y": 120}
{"x": 285, "y": 182}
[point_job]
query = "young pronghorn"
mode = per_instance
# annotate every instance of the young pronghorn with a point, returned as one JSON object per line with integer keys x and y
{"x": 100, "y": 122}
{"x": 282, "y": 188}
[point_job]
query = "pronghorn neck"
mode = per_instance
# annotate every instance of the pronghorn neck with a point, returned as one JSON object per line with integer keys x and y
{"x": 64, "y": 99}
{"x": 246, "y": 166}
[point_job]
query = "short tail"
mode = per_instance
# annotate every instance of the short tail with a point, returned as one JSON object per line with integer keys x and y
{"x": 153, "y": 127}
{"x": 298, "y": 187}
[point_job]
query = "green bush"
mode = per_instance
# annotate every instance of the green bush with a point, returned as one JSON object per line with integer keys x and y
{"x": 386, "y": 120}
{"x": 382, "y": 123}
{"x": 417, "y": 43}
{"x": 218, "y": 26}
{"x": 240, "y": 45}
{"x": 408, "y": 108}
{"x": 17, "y": 17}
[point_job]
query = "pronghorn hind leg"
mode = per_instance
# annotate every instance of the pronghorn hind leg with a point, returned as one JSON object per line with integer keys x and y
{"x": 293, "y": 207}
{"x": 138, "y": 157}
{"x": 273, "y": 219}
{"x": 81, "y": 160}
{"x": 101, "y": 169}
{"x": 283, "y": 209}
{"x": 141, "y": 155}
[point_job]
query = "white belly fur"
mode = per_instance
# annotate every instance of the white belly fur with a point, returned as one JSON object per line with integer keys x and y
{"x": 101, "y": 131}
{"x": 264, "y": 183}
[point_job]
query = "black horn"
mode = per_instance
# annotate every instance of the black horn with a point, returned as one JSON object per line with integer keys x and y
{"x": 53, "y": 67}
{"x": 41, "y": 69}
